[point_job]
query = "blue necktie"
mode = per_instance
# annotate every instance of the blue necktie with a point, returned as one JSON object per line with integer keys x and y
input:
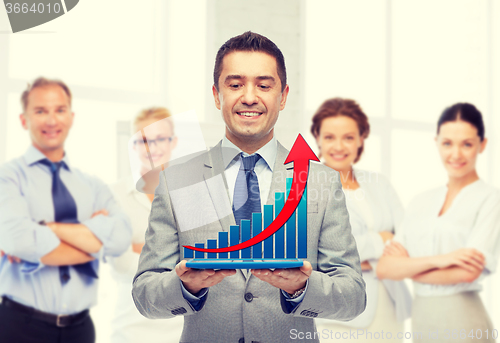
{"x": 65, "y": 212}
{"x": 246, "y": 199}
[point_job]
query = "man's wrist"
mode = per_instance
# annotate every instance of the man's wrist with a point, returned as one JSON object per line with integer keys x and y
{"x": 434, "y": 261}
{"x": 296, "y": 293}
{"x": 52, "y": 226}
{"x": 191, "y": 290}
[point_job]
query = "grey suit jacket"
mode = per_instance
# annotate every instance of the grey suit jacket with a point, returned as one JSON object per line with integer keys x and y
{"x": 242, "y": 306}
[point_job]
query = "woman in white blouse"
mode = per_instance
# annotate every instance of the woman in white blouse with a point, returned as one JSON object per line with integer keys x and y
{"x": 152, "y": 146}
{"x": 340, "y": 128}
{"x": 450, "y": 238}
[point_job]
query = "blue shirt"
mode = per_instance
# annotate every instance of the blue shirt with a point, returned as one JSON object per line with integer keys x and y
{"x": 25, "y": 200}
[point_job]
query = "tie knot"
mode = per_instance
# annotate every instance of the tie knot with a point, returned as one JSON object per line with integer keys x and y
{"x": 54, "y": 166}
{"x": 250, "y": 161}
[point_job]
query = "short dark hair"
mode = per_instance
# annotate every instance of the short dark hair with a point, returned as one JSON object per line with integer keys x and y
{"x": 337, "y": 107}
{"x": 43, "y": 82}
{"x": 250, "y": 41}
{"x": 465, "y": 112}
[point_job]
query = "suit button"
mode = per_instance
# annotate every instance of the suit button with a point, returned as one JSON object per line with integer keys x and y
{"x": 241, "y": 340}
{"x": 248, "y": 297}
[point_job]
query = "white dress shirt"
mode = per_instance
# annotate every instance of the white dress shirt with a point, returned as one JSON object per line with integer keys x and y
{"x": 375, "y": 207}
{"x": 473, "y": 220}
{"x": 263, "y": 167}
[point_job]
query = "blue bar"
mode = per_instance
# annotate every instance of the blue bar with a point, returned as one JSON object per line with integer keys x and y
{"x": 279, "y": 236}
{"x": 245, "y": 236}
{"x": 212, "y": 244}
{"x": 256, "y": 229}
{"x": 290, "y": 226}
{"x": 234, "y": 239}
{"x": 302, "y": 226}
{"x": 268, "y": 242}
{"x": 199, "y": 254}
{"x": 223, "y": 244}
{"x": 188, "y": 253}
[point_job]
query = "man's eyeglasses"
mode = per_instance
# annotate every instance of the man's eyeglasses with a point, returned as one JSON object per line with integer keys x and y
{"x": 157, "y": 141}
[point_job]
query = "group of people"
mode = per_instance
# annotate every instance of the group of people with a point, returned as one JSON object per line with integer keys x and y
{"x": 446, "y": 241}
{"x": 57, "y": 223}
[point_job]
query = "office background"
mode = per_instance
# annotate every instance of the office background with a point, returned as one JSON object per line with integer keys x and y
{"x": 404, "y": 61}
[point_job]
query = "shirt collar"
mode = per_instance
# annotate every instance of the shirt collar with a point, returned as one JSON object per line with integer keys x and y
{"x": 267, "y": 152}
{"x": 33, "y": 155}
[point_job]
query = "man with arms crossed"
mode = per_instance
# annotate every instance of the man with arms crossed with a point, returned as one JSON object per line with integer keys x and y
{"x": 237, "y": 306}
{"x": 55, "y": 224}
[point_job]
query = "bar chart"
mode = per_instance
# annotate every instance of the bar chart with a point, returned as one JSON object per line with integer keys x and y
{"x": 284, "y": 249}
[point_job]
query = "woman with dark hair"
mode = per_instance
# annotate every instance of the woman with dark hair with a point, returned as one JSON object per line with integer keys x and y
{"x": 450, "y": 238}
{"x": 340, "y": 127}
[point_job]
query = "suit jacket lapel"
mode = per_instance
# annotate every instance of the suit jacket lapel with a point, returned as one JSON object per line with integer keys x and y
{"x": 214, "y": 167}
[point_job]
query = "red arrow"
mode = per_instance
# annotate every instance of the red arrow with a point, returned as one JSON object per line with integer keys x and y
{"x": 300, "y": 154}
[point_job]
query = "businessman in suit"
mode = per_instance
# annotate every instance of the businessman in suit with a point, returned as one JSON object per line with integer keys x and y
{"x": 240, "y": 306}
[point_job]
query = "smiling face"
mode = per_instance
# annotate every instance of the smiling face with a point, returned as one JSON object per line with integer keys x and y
{"x": 48, "y": 118}
{"x": 160, "y": 142}
{"x": 339, "y": 141}
{"x": 250, "y": 98}
{"x": 459, "y": 145}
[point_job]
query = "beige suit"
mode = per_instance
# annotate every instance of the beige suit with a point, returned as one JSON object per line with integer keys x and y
{"x": 243, "y": 308}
